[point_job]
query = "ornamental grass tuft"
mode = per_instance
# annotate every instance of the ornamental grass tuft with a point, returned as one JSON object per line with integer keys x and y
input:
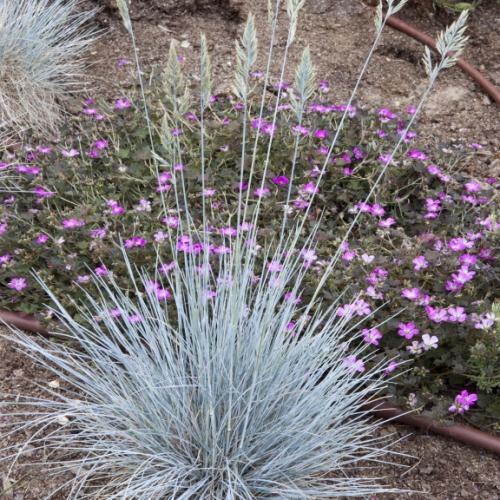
{"x": 41, "y": 45}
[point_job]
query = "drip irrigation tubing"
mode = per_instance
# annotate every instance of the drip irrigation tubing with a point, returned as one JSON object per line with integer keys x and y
{"x": 488, "y": 87}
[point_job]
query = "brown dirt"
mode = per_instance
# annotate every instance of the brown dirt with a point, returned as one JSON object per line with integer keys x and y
{"x": 339, "y": 34}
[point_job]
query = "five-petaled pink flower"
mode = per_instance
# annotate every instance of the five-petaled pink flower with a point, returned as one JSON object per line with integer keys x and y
{"x": 18, "y": 284}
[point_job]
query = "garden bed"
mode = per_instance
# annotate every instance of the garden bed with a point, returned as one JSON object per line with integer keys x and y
{"x": 454, "y": 109}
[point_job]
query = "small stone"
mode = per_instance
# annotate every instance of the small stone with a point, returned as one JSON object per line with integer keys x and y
{"x": 185, "y": 44}
{"x": 54, "y": 384}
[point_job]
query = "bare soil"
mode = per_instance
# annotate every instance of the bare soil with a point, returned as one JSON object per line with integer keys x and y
{"x": 339, "y": 34}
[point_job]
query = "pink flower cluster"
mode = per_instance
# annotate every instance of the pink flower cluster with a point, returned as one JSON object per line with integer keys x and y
{"x": 463, "y": 402}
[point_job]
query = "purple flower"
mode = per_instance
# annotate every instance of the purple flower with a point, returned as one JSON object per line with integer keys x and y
{"x": 134, "y": 242}
{"x": 5, "y": 259}
{"x": 301, "y": 130}
{"x": 408, "y": 330}
{"x": 261, "y": 192}
{"x": 18, "y": 284}
{"x": 386, "y": 115}
{"x": 386, "y": 223}
{"x": 417, "y": 155}
{"x": 390, "y": 367}
{"x": 436, "y": 315}
{"x": 321, "y": 134}
{"x": 101, "y": 144}
{"x": 122, "y": 103}
{"x": 281, "y": 180}
{"x": 371, "y": 335}
{"x": 456, "y": 314}
{"x": 41, "y": 239}
{"x": 72, "y": 223}
{"x": 98, "y": 233}
{"x": 463, "y": 402}
{"x": 411, "y": 293}
{"x": 420, "y": 263}
{"x": 460, "y": 244}
{"x": 353, "y": 364}
{"x": 41, "y": 192}
{"x": 69, "y": 153}
{"x": 101, "y": 270}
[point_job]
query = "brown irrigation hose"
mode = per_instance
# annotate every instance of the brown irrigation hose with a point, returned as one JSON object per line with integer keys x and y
{"x": 24, "y": 322}
{"x": 474, "y": 73}
{"x": 461, "y": 433}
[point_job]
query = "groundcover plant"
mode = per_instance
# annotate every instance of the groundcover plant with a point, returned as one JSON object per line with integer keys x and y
{"x": 285, "y": 233}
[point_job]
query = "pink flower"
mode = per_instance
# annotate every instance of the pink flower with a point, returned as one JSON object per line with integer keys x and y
{"x": 390, "y": 367}
{"x": 411, "y": 293}
{"x": 101, "y": 144}
{"x": 371, "y": 335}
{"x": 349, "y": 255}
{"x": 122, "y": 103}
{"x": 361, "y": 307}
{"x": 429, "y": 342}
{"x": 309, "y": 188}
{"x": 209, "y": 192}
{"x": 460, "y": 244}
{"x": 274, "y": 267}
{"x": 308, "y": 256}
{"x": 472, "y": 186}
{"x": 18, "y": 284}
{"x": 72, "y": 223}
{"x": 456, "y": 314}
{"x": 41, "y": 192}
{"x": 98, "y": 233}
{"x": 69, "y": 153}
{"x": 386, "y": 223}
{"x": 463, "y": 402}
{"x": 261, "y": 192}
{"x": 171, "y": 221}
{"x": 5, "y": 259}
{"x": 134, "y": 242}
{"x": 41, "y": 239}
{"x": 280, "y": 180}
{"x": 386, "y": 115}
{"x": 367, "y": 259}
{"x": 408, "y": 330}
{"x": 420, "y": 263}
{"x": 436, "y": 315}
{"x": 321, "y": 134}
{"x": 353, "y": 364}
{"x": 101, "y": 270}
{"x": 301, "y": 130}
{"x": 463, "y": 275}
{"x": 385, "y": 158}
{"x": 377, "y": 210}
{"x": 417, "y": 155}
{"x": 134, "y": 318}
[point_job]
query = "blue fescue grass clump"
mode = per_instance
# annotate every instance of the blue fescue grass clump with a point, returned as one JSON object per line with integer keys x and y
{"x": 41, "y": 44}
{"x": 218, "y": 400}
